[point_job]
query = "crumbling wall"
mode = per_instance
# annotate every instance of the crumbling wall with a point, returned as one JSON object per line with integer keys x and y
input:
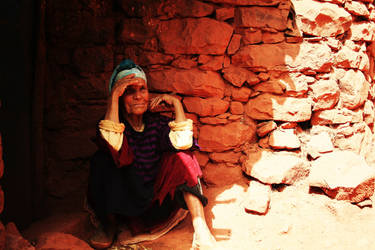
{"x": 254, "y": 75}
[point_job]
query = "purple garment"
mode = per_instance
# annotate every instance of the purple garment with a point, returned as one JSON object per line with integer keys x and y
{"x": 148, "y": 146}
{"x": 122, "y": 182}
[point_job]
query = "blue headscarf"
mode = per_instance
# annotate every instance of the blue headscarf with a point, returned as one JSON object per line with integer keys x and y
{"x": 126, "y": 67}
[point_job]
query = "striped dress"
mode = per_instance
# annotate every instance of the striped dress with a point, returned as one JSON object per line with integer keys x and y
{"x": 146, "y": 169}
{"x": 149, "y": 145}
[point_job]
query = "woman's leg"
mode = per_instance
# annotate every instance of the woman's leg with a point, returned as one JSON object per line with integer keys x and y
{"x": 103, "y": 235}
{"x": 180, "y": 172}
{"x": 202, "y": 233}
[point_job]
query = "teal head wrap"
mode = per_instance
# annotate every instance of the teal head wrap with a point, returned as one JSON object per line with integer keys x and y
{"x": 126, "y": 67}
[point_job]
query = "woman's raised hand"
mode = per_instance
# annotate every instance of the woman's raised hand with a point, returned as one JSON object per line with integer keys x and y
{"x": 121, "y": 85}
{"x": 117, "y": 91}
{"x": 168, "y": 99}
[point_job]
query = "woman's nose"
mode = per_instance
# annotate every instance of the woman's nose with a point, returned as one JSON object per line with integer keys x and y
{"x": 137, "y": 94}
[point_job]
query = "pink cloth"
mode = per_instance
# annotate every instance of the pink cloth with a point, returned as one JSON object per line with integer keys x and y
{"x": 122, "y": 157}
{"x": 177, "y": 168}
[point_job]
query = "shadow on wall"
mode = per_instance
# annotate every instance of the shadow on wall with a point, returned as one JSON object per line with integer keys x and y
{"x": 241, "y": 67}
{"x": 234, "y": 64}
{"x": 17, "y": 22}
{"x": 242, "y": 71}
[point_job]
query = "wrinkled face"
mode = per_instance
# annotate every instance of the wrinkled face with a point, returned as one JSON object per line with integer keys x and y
{"x": 135, "y": 98}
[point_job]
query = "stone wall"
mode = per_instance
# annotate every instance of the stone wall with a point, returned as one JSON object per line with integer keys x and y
{"x": 254, "y": 75}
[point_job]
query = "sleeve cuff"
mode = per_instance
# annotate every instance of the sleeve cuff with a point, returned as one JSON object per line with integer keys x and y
{"x": 181, "y": 126}
{"x": 112, "y": 126}
{"x": 181, "y": 134}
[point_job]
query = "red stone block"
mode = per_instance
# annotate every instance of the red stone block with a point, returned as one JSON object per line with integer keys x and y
{"x": 227, "y": 157}
{"x": 222, "y": 138}
{"x": 213, "y": 120}
{"x": 149, "y": 58}
{"x": 238, "y": 76}
{"x": 205, "y": 107}
{"x": 234, "y": 44}
{"x": 235, "y": 117}
{"x": 187, "y": 8}
{"x": 194, "y": 36}
{"x": 193, "y": 82}
{"x": 251, "y": 36}
{"x": 241, "y": 94}
{"x": 184, "y": 62}
{"x": 294, "y": 39}
{"x": 202, "y": 158}
{"x": 226, "y": 61}
{"x": 193, "y": 117}
{"x": 222, "y": 174}
{"x": 236, "y": 108}
{"x": 260, "y": 17}
{"x": 223, "y": 14}
{"x": 213, "y": 63}
{"x": 269, "y": 37}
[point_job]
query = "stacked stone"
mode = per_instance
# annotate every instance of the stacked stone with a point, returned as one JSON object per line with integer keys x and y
{"x": 330, "y": 81}
{"x": 80, "y": 38}
{"x": 269, "y": 84}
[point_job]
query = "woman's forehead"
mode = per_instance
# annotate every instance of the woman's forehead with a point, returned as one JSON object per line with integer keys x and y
{"x": 138, "y": 84}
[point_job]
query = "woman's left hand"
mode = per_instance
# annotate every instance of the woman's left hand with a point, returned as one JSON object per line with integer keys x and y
{"x": 168, "y": 99}
{"x": 172, "y": 101}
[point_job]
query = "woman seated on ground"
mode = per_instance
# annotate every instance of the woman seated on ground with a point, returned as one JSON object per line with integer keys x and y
{"x": 144, "y": 169}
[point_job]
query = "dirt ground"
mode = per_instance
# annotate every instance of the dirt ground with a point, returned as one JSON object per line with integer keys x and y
{"x": 297, "y": 219}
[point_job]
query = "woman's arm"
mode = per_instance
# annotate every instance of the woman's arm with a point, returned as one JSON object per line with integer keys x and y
{"x": 111, "y": 129}
{"x": 181, "y": 129}
{"x": 173, "y": 101}
{"x": 112, "y": 113}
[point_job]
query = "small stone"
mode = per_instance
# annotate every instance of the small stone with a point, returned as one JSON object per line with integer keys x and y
{"x": 275, "y": 167}
{"x": 257, "y": 198}
{"x": 318, "y": 144}
{"x": 266, "y": 127}
{"x": 343, "y": 175}
{"x": 284, "y": 139}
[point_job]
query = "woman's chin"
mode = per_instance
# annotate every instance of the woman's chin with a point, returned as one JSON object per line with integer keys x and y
{"x": 138, "y": 111}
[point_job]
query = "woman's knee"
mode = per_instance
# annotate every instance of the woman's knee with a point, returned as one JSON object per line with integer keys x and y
{"x": 183, "y": 158}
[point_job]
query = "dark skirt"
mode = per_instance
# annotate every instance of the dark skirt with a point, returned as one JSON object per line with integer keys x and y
{"x": 121, "y": 191}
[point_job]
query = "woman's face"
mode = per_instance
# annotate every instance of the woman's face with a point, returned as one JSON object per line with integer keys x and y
{"x": 135, "y": 98}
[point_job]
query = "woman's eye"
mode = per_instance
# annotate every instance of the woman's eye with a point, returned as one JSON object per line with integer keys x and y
{"x": 129, "y": 91}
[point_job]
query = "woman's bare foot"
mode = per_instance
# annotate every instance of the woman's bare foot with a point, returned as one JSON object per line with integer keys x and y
{"x": 203, "y": 239}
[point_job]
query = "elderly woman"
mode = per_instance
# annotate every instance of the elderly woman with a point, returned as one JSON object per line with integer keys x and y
{"x": 144, "y": 169}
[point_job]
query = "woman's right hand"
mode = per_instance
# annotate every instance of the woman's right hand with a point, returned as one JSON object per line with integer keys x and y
{"x": 121, "y": 85}
{"x": 118, "y": 90}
